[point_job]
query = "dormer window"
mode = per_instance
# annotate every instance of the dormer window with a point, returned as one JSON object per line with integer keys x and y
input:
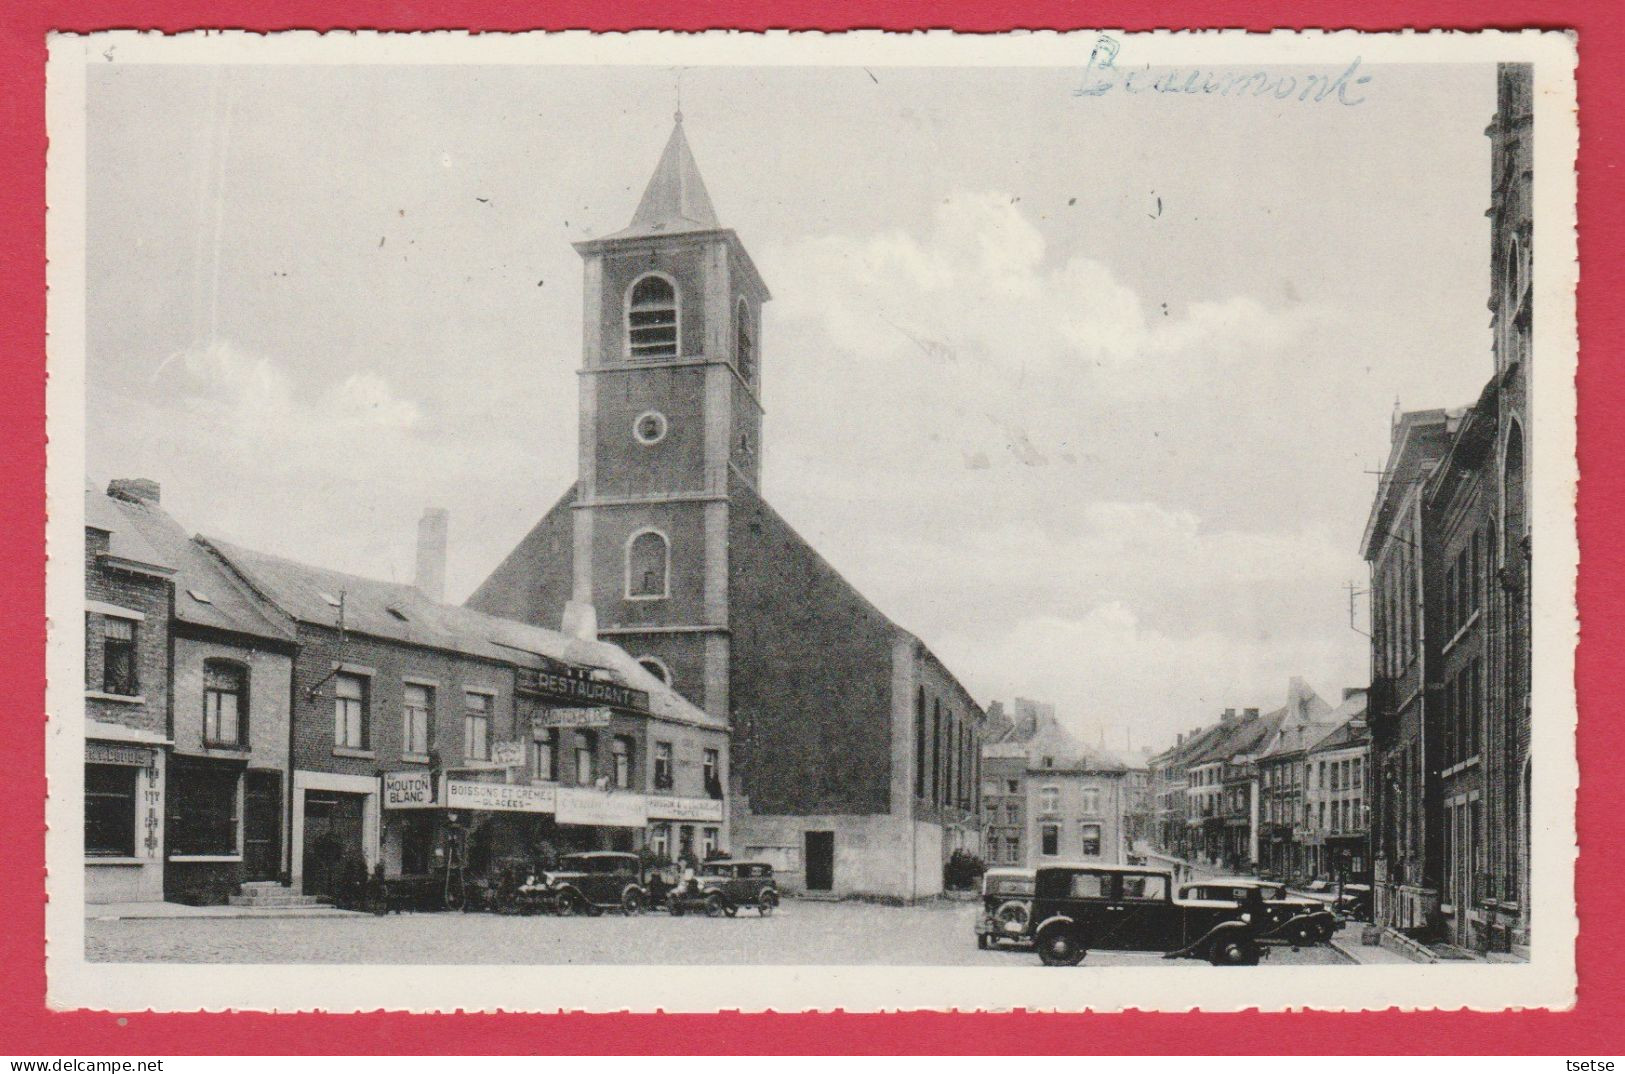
{"x": 651, "y": 319}
{"x": 744, "y": 349}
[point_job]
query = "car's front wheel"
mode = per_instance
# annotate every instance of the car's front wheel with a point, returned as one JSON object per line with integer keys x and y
{"x": 767, "y": 903}
{"x": 632, "y": 902}
{"x": 1060, "y": 947}
{"x": 1234, "y": 952}
{"x": 714, "y": 906}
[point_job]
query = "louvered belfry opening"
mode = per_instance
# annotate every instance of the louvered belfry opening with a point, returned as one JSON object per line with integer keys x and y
{"x": 651, "y": 320}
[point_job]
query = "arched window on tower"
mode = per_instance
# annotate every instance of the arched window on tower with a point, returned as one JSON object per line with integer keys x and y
{"x": 744, "y": 346}
{"x": 648, "y": 563}
{"x": 651, "y": 319}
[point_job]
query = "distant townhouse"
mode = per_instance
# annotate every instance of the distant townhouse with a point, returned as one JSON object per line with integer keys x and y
{"x": 128, "y": 596}
{"x": 1338, "y": 796}
{"x": 1054, "y": 797}
{"x": 1306, "y": 719}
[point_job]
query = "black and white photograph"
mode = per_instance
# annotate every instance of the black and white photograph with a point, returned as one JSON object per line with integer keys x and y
{"x": 803, "y": 521}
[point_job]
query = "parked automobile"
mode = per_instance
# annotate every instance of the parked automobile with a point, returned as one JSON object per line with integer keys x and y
{"x": 1078, "y": 908}
{"x": 1007, "y": 901}
{"x": 722, "y": 887}
{"x": 597, "y": 880}
{"x": 1355, "y": 902}
{"x": 1293, "y": 918}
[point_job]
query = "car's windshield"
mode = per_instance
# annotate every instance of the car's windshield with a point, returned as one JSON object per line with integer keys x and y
{"x": 1010, "y": 885}
{"x": 716, "y": 870}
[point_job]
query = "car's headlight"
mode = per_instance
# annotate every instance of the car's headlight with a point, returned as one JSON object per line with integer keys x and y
{"x": 1247, "y": 918}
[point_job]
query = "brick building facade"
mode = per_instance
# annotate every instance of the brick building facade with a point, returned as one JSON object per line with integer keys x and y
{"x": 857, "y": 752}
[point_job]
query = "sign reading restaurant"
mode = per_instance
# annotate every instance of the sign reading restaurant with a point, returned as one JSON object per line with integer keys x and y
{"x": 575, "y": 686}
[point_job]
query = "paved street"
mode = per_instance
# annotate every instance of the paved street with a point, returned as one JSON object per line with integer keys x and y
{"x": 801, "y": 933}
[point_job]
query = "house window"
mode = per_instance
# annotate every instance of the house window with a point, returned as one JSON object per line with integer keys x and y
{"x": 1013, "y": 849}
{"x": 1049, "y": 839}
{"x": 1091, "y": 800}
{"x": 660, "y": 840}
{"x": 663, "y": 774}
{"x": 547, "y": 754}
{"x": 476, "y": 726}
{"x": 225, "y": 701}
{"x": 110, "y": 809}
{"x": 744, "y": 350}
{"x": 1089, "y": 834}
{"x": 1012, "y": 786}
{"x": 648, "y": 564}
{"x": 585, "y": 746}
{"x": 713, "y": 773}
{"x": 203, "y": 811}
{"x": 651, "y": 319}
{"x": 1049, "y": 799}
{"x": 118, "y": 657}
{"x": 350, "y": 711}
{"x": 710, "y": 842}
{"x": 1012, "y": 813}
{"x": 621, "y": 752}
{"x": 418, "y": 702}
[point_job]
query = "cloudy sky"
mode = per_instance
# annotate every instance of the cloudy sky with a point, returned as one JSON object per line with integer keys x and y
{"x": 1080, "y": 390}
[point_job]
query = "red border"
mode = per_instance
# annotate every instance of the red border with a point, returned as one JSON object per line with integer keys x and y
{"x": 26, "y": 1027}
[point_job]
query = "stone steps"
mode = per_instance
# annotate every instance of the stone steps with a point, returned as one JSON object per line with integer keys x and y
{"x": 269, "y": 894}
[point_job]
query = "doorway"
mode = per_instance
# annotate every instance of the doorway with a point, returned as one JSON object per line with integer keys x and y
{"x": 820, "y": 855}
{"x": 262, "y": 825}
{"x": 333, "y": 840}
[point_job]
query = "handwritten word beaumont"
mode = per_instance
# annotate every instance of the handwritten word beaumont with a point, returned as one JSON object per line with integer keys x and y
{"x": 1102, "y": 76}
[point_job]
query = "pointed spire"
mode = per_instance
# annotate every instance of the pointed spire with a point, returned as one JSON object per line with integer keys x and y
{"x": 675, "y": 199}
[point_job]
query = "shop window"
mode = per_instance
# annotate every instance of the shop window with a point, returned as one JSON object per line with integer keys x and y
{"x": 547, "y": 754}
{"x": 110, "y": 794}
{"x": 621, "y": 750}
{"x": 651, "y": 319}
{"x": 1049, "y": 839}
{"x": 1089, "y": 835}
{"x": 586, "y": 746}
{"x": 477, "y": 726}
{"x": 710, "y": 842}
{"x": 648, "y": 566}
{"x": 350, "y": 711}
{"x": 118, "y": 657}
{"x": 713, "y": 773}
{"x": 203, "y": 808}
{"x": 663, "y": 766}
{"x": 660, "y": 840}
{"x": 225, "y": 702}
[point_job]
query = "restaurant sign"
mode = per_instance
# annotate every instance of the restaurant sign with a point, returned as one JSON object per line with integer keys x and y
{"x": 409, "y": 790}
{"x": 499, "y": 797}
{"x": 708, "y": 810}
{"x": 576, "y": 687}
{"x": 614, "y": 809}
{"x": 575, "y": 718}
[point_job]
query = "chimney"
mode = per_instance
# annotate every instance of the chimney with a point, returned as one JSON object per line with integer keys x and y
{"x": 1251, "y": 714}
{"x": 1228, "y": 717}
{"x": 134, "y": 488}
{"x": 431, "y": 574}
{"x": 1179, "y": 739}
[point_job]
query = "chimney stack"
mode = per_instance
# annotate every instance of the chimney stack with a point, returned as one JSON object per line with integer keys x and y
{"x": 1228, "y": 717}
{"x": 1252, "y": 714}
{"x": 431, "y": 573}
{"x": 134, "y": 488}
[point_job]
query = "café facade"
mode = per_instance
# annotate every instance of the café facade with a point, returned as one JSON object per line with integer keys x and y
{"x": 429, "y": 738}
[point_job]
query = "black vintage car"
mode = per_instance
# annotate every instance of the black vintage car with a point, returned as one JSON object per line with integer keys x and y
{"x": 597, "y": 880}
{"x": 1292, "y": 918}
{"x": 722, "y": 887}
{"x": 1007, "y": 900}
{"x": 1078, "y": 908}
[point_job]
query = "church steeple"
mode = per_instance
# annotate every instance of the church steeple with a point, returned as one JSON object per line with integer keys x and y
{"x": 675, "y": 201}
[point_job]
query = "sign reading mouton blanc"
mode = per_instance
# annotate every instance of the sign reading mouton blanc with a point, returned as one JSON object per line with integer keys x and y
{"x": 408, "y": 790}
{"x": 499, "y": 797}
{"x": 574, "y": 718}
{"x": 576, "y": 686}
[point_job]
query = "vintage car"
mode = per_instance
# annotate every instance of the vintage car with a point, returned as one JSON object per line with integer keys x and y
{"x": 1355, "y": 902}
{"x": 1297, "y": 920}
{"x": 722, "y": 887}
{"x": 1077, "y": 908}
{"x": 1007, "y": 900}
{"x": 597, "y": 880}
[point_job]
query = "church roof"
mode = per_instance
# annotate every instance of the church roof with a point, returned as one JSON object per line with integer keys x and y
{"x": 675, "y": 201}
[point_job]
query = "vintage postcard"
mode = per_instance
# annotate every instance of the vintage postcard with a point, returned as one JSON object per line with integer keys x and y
{"x": 800, "y": 521}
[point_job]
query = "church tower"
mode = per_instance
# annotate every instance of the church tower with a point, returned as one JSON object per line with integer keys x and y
{"x": 670, "y": 417}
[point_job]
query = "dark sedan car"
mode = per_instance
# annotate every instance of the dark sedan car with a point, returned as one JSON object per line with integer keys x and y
{"x": 1292, "y": 918}
{"x": 1077, "y": 908}
{"x": 598, "y": 880}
